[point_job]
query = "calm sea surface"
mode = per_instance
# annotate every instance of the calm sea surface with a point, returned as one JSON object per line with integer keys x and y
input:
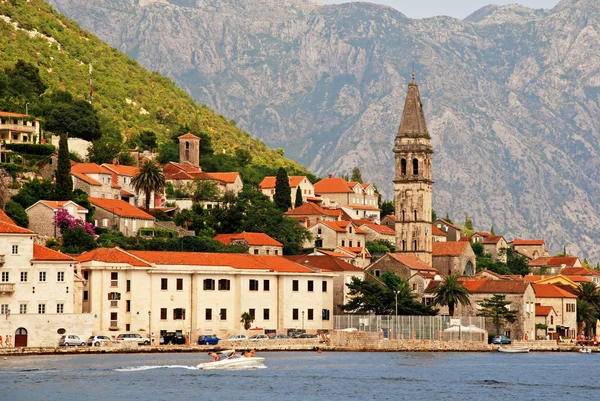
{"x": 305, "y": 376}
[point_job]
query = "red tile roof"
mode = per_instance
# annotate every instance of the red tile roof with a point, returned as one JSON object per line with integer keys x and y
{"x": 336, "y": 254}
{"x": 550, "y": 291}
{"x": 363, "y": 207}
{"x": 332, "y": 185}
{"x": 256, "y": 239}
{"x": 122, "y": 170}
{"x": 344, "y": 224}
{"x": 436, "y": 231}
{"x": 543, "y": 310}
{"x": 494, "y": 239}
{"x": 579, "y": 271}
{"x": 10, "y": 114}
{"x": 556, "y": 261}
{"x": 356, "y": 250}
{"x": 448, "y": 224}
{"x": 580, "y": 279}
{"x": 61, "y": 204}
{"x": 188, "y": 136}
{"x": 235, "y": 260}
{"x": 269, "y": 182}
{"x": 5, "y": 219}
{"x": 484, "y": 233}
{"x": 333, "y": 225}
{"x": 391, "y": 217}
{"x": 8, "y": 226}
{"x": 326, "y": 262}
{"x": 85, "y": 178}
{"x": 89, "y": 168}
{"x": 111, "y": 255}
{"x": 526, "y": 242}
{"x": 385, "y": 230}
{"x": 412, "y": 262}
{"x": 120, "y": 208}
{"x": 453, "y": 248}
{"x": 500, "y": 287}
{"x": 228, "y": 178}
{"x": 309, "y": 209}
{"x": 43, "y": 253}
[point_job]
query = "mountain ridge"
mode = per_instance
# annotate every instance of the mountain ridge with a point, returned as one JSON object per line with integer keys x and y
{"x": 511, "y": 101}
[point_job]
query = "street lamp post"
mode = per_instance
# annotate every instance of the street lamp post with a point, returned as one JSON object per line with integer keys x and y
{"x": 150, "y": 327}
{"x": 396, "y": 318}
{"x": 302, "y": 320}
{"x": 27, "y": 108}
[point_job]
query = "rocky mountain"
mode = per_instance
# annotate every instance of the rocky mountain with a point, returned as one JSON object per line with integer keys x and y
{"x": 511, "y": 94}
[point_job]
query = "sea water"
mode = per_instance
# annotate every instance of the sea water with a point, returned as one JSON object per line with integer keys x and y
{"x": 304, "y": 376}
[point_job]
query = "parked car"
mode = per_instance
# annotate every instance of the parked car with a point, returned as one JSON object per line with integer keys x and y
{"x": 70, "y": 339}
{"x": 172, "y": 337}
{"x": 305, "y": 335}
{"x": 133, "y": 337}
{"x": 237, "y": 337}
{"x": 259, "y": 337}
{"x": 500, "y": 340}
{"x": 279, "y": 337}
{"x": 98, "y": 340}
{"x": 208, "y": 339}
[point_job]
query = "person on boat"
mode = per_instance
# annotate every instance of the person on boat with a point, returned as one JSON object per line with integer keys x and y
{"x": 215, "y": 356}
{"x": 252, "y": 353}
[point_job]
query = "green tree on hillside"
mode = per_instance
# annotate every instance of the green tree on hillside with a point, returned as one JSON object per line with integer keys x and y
{"x": 298, "y": 201}
{"x": 450, "y": 293}
{"x": 283, "y": 195}
{"x": 17, "y": 213}
{"x": 150, "y": 178}
{"x": 356, "y": 175}
{"x": 387, "y": 208}
{"x": 64, "y": 181}
{"x": 496, "y": 309}
{"x": 205, "y": 190}
{"x": 77, "y": 119}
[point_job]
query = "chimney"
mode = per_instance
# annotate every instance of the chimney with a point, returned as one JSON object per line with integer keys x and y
{"x": 329, "y": 176}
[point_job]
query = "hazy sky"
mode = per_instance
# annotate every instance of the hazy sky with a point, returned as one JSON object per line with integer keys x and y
{"x": 454, "y": 8}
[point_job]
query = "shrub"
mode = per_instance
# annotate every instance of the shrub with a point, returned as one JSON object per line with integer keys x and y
{"x": 31, "y": 149}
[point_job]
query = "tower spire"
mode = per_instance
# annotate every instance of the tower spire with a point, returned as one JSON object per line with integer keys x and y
{"x": 412, "y": 124}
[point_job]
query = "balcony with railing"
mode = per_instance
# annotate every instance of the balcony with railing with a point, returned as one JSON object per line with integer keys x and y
{"x": 7, "y": 288}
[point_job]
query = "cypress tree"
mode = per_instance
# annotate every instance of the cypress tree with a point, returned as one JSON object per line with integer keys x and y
{"x": 298, "y": 197}
{"x": 283, "y": 191}
{"x": 64, "y": 182}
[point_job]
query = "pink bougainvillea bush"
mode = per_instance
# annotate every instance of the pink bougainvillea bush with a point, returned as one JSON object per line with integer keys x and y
{"x": 64, "y": 221}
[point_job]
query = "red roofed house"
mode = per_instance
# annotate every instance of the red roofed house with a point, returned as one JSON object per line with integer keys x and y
{"x": 313, "y": 213}
{"x": 18, "y": 128}
{"x": 95, "y": 180}
{"x": 553, "y": 264}
{"x": 337, "y": 192}
{"x": 519, "y": 293}
{"x": 455, "y": 257}
{"x": 123, "y": 176}
{"x": 257, "y": 243}
{"x": 379, "y": 232}
{"x": 203, "y": 293}
{"x": 452, "y": 231}
{"x": 547, "y": 316}
{"x": 565, "y": 306}
{"x": 480, "y": 236}
{"x": 576, "y": 272}
{"x": 389, "y": 221}
{"x": 40, "y": 291}
{"x": 437, "y": 235}
{"x": 405, "y": 266}
{"x": 331, "y": 234}
{"x": 42, "y": 213}
{"x": 530, "y": 248}
{"x": 496, "y": 246}
{"x": 121, "y": 215}
{"x": 344, "y": 272}
{"x": 267, "y": 187}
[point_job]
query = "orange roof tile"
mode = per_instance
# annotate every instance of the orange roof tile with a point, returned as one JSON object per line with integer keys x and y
{"x": 10, "y": 114}
{"x": 543, "y": 310}
{"x": 333, "y": 225}
{"x": 436, "y": 231}
{"x": 356, "y": 250}
{"x": 484, "y": 233}
{"x": 8, "y": 226}
{"x": 120, "y": 208}
{"x": 85, "y": 178}
{"x": 500, "y": 287}
{"x": 5, "y": 219}
{"x": 228, "y": 178}
{"x": 308, "y": 209}
{"x": 89, "y": 168}
{"x": 188, "y": 136}
{"x": 111, "y": 255}
{"x": 122, "y": 170}
{"x": 556, "y": 261}
{"x": 332, "y": 185}
{"x": 494, "y": 239}
{"x": 448, "y": 224}
{"x": 43, "y": 253}
{"x": 391, "y": 217}
{"x": 550, "y": 291}
{"x": 327, "y": 262}
{"x": 412, "y": 262}
{"x": 61, "y": 204}
{"x": 526, "y": 242}
{"x": 256, "y": 239}
{"x": 454, "y": 248}
{"x": 363, "y": 207}
{"x": 579, "y": 271}
{"x": 269, "y": 182}
{"x": 385, "y": 230}
{"x": 235, "y": 260}
{"x": 580, "y": 279}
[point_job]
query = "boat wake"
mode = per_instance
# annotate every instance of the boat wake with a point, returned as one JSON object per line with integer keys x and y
{"x": 151, "y": 367}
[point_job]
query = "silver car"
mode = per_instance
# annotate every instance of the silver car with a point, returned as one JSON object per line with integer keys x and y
{"x": 259, "y": 337}
{"x": 98, "y": 340}
{"x": 237, "y": 337}
{"x": 70, "y": 339}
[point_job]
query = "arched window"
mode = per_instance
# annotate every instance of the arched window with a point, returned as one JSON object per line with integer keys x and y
{"x": 415, "y": 167}
{"x": 319, "y": 231}
{"x": 403, "y": 166}
{"x": 187, "y": 145}
{"x": 415, "y": 213}
{"x": 350, "y": 229}
{"x": 415, "y": 245}
{"x": 469, "y": 269}
{"x": 403, "y": 215}
{"x": 403, "y": 245}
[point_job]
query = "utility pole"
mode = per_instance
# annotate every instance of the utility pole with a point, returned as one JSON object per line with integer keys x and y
{"x": 91, "y": 86}
{"x": 396, "y": 318}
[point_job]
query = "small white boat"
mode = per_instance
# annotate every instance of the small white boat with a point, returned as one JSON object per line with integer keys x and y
{"x": 231, "y": 360}
{"x": 513, "y": 350}
{"x": 585, "y": 350}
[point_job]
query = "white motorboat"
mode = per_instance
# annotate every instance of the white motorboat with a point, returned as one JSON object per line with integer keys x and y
{"x": 585, "y": 350}
{"x": 231, "y": 360}
{"x": 513, "y": 350}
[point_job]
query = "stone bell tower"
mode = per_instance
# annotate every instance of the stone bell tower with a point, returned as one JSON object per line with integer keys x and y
{"x": 189, "y": 149}
{"x": 412, "y": 180}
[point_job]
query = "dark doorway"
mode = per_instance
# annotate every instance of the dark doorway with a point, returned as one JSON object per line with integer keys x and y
{"x": 21, "y": 337}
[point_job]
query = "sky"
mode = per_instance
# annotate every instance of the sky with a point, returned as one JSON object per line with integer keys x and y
{"x": 453, "y": 8}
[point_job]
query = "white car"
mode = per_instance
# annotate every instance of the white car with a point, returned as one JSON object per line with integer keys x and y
{"x": 259, "y": 337}
{"x": 70, "y": 339}
{"x": 98, "y": 340}
{"x": 133, "y": 337}
{"x": 237, "y": 337}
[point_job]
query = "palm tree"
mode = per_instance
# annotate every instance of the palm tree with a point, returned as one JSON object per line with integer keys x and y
{"x": 150, "y": 178}
{"x": 586, "y": 315}
{"x": 247, "y": 319}
{"x": 450, "y": 293}
{"x": 588, "y": 292}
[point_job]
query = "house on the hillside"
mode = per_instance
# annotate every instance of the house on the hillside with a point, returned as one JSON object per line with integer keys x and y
{"x": 123, "y": 176}
{"x": 452, "y": 230}
{"x": 121, "y": 215}
{"x": 95, "y": 180}
{"x": 564, "y": 304}
{"x": 545, "y": 315}
{"x": 310, "y": 213}
{"x": 529, "y": 248}
{"x": 18, "y": 128}
{"x": 437, "y": 235}
{"x": 331, "y": 234}
{"x": 389, "y": 221}
{"x": 377, "y": 232}
{"x": 256, "y": 243}
{"x": 553, "y": 264}
{"x": 267, "y": 187}
{"x": 43, "y": 213}
{"x": 480, "y": 236}
{"x": 413, "y": 270}
{"x": 496, "y": 246}
{"x": 337, "y": 192}
{"x": 455, "y": 257}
